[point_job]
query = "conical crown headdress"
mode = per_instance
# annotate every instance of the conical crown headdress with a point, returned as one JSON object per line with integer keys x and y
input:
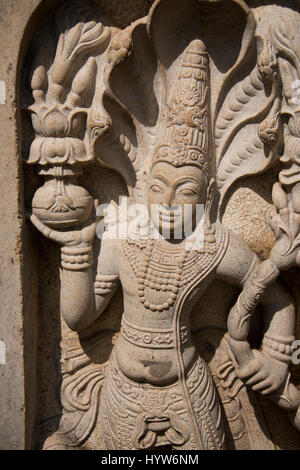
{"x": 186, "y": 122}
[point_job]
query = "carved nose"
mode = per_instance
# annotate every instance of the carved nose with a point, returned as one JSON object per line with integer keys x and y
{"x": 169, "y": 199}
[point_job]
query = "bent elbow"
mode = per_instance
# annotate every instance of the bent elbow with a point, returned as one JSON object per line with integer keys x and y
{"x": 74, "y": 323}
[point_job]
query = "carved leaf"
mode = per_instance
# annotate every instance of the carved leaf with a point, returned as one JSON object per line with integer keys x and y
{"x": 69, "y": 41}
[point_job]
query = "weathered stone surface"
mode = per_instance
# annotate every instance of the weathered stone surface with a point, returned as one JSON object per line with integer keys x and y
{"x": 16, "y": 408}
{"x": 132, "y": 343}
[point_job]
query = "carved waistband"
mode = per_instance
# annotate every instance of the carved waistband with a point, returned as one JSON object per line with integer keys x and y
{"x": 152, "y": 338}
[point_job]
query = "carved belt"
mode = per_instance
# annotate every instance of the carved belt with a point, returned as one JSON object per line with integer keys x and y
{"x": 157, "y": 415}
{"x": 152, "y": 338}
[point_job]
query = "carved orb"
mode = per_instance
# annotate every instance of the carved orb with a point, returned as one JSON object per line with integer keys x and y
{"x": 59, "y": 204}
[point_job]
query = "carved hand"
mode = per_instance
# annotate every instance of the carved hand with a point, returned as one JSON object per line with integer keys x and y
{"x": 282, "y": 256}
{"x": 83, "y": 236}
{"x": 264, "y": 374}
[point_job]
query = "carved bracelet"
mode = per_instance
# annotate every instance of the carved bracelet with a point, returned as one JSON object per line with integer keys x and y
{"x": 75, "y": 258}
{"x": 105, "y": 284}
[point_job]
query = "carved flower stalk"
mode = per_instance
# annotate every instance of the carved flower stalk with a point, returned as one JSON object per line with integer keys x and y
{"x": 59, "y": 151}
{"x": 62, "y": 97}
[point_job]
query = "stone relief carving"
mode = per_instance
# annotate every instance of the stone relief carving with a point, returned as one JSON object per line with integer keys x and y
{"x": 181, "y": 114}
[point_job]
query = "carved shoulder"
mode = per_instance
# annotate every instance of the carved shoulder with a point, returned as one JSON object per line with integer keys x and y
{"x": 238, "y": 261}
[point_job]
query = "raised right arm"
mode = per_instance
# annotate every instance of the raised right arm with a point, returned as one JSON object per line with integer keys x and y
{"x": 81, "y": 299}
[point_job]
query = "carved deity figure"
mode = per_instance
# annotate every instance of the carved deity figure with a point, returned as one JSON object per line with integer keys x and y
{"x": 157, "y": 389}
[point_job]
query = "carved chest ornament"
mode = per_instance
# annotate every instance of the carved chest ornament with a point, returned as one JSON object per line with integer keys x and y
{"x": 162, "y": 269}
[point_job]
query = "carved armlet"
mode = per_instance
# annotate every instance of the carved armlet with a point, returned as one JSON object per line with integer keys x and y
{"x": 105, "y": 284}
{"x": 254, "y": 288}
{"x": 76, "y": 258}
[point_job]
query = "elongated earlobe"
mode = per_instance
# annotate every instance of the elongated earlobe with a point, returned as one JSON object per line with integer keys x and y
{"x": 210, "y": 196}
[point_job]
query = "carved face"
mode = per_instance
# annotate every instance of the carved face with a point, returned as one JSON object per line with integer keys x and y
{"x": 173, "y": 196}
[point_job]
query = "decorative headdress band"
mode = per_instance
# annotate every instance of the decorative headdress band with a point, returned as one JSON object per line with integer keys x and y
{"x": 185, "y": 125}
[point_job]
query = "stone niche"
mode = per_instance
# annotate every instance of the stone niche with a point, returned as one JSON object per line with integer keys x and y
{"x": 145, "y": 341}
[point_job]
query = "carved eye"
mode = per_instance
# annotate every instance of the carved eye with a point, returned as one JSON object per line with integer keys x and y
{"x": 188, "y": 192}
{"x": 156, "y": 189}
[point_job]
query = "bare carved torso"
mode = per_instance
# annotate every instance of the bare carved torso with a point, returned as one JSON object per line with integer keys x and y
{"x": 146, "y": 348}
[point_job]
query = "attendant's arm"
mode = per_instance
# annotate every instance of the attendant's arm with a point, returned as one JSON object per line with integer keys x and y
{"x": 264, "y": 370}
{"x": 241, "y": 267}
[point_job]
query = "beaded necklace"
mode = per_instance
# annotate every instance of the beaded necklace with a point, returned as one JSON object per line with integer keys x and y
{"x": 165, "y": 270}
{"x": 145, "y": 279}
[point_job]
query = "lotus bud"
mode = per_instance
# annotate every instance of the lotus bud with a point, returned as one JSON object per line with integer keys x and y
{"x": 39, "y": 84}
{"x": 83, "y": 81}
